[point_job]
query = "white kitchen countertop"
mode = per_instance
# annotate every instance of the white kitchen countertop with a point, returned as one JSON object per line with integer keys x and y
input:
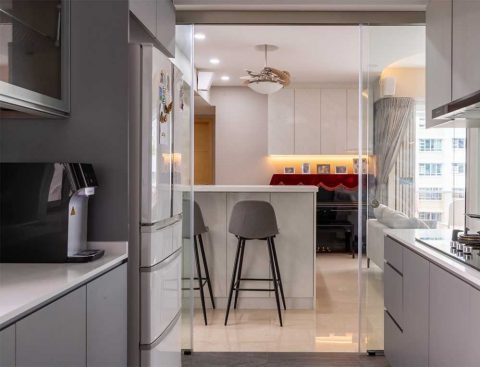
{"x": 255, "y": 188}
{"x": 407, "y": 237}
{"x": 26, "y": 287}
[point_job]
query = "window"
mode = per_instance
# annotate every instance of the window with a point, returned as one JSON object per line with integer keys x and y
{"x": 458, "y": 143}
{"x": 430, "y": 193}
{"x": 430, "y": 145}
{"x": 458, "y": 168}
{"x": 430, "y": 216}
{"x": 458, "y": 193}
{"x": 430, "y": 169}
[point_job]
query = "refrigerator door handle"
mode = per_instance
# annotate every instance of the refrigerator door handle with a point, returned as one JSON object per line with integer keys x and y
{"x": 152, "y": 227}
{"x": 163, "y": 263}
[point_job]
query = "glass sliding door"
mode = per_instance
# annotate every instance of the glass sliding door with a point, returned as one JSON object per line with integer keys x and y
{"x": 183, "y": 167}
{"x": 408, "y": 171}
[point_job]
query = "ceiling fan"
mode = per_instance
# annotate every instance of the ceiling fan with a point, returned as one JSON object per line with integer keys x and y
{"x": 268, "y": 80}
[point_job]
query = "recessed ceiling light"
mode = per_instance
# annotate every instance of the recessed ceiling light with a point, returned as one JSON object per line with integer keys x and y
{"x": 225, "y": 78}
{"x": 199, "y": 36}
{"x": 214, "y": 61}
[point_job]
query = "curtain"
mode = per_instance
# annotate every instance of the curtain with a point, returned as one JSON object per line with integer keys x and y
{"x": 392, "y": 118}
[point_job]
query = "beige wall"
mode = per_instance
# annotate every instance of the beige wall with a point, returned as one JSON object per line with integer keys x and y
{"x": 410, "y": 82}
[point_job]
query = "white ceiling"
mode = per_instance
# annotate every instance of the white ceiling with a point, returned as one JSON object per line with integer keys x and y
{"x": 312, "y": 54}
{"x": 331, "y": 5}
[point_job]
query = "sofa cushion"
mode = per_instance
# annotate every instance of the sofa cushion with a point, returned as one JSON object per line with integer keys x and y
{"x": 418, "y": 223}
{"x": 396, "y": 220}
{"x": 382, "y": 211}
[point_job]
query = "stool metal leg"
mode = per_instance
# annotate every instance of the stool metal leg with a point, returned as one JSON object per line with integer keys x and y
{"x": 232, "y": 282}
{"x": 239, "y": 274}
{"x": 275, "y": 283}
{"x": 205, "y": 268}
{"x": 200, "y": 281}
{"x": 278, "y": 272}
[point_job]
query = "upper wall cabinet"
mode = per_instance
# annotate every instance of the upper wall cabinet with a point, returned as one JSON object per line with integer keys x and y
{"x": 439, "y": 56}
{"x": 158, "y": 18}
{"x": 281, "y": 130}
{"x": 34, "y": 56}
{"x": 313, "y": 121}
{"x": 466, "y": 48}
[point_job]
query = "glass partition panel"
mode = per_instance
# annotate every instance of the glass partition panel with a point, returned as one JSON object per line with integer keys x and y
{"x": 183, "y": 167}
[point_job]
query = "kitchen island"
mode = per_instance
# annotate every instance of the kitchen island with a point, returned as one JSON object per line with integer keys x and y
{"x": 295, "y": 209}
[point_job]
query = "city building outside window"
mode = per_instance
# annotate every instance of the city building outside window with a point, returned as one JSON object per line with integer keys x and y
{"x": 430, "y": 216}
{"x": 458, "y": 168}
{"x": 430, "y": 145}
{"x": 430, "y": 193}
{"x": 458, "y": 143}
{"x": 430, "y": 169}
{"x": 458, "y": 193}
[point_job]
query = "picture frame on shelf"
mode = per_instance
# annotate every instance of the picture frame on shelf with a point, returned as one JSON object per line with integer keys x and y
{"x": 355, "y": 165}
{"x": 306, "y": 168}
{"x": 323, "y": 169}
{"x": 341, "y": 170}
{"x": 289, "y": 170}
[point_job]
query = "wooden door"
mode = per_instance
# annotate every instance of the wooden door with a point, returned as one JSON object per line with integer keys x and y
{"x": 204, "y": 150}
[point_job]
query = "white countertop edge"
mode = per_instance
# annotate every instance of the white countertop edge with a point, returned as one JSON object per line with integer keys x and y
{"x": 116, "y": 257}
{"x": 407, "y": 238}
{"x": 255, "y": 188}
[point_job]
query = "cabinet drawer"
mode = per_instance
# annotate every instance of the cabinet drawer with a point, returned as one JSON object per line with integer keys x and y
{"x": 160, "y": 297}
{"x": 393, "y": 342}
{"x": 167, "y": 351}
{"x": 394, "y": 254}
{"x": 393, "y": 290}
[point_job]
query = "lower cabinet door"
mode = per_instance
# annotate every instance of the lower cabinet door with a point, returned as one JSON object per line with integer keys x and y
{"x": 7, "y": 347}
{"x": 54, "y": 336}
{"x": 167, "y": 351}
{"x": 449, "y": 324}
{"x": 107, "y": 319}
{"x": 393, "y": 342}
{"x": 160, "y": 297}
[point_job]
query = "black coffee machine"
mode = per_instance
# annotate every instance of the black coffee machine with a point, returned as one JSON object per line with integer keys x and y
{"x": 43, "y": 212}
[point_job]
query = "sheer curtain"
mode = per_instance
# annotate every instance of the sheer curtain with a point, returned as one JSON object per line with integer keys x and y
{"x": 392, "y": 118}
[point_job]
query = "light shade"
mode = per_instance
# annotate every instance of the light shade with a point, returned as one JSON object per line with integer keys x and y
{"x": 265, "y": 87}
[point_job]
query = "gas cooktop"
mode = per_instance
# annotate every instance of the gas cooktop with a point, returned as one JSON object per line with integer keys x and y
{"x": 466, "y": 254}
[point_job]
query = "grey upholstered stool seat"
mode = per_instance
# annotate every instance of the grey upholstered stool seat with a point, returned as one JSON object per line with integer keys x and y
{"x": 254, "y": 220}
{"x": 198, "y": 229}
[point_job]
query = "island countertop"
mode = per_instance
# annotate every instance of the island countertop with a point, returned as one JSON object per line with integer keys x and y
{"x": 25, "y": 287}
{"x": 255, "y": 188}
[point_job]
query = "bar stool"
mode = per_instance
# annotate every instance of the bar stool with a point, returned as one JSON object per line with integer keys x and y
{"x": 254, "y": 220}
{"x": 198, "y": 229}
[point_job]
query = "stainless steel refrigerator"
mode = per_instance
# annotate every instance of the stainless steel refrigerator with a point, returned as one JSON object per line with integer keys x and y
{"x": 155, "y": 247}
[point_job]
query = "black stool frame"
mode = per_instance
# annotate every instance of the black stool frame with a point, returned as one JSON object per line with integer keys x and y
{"x": 237, "y": 276}
{"x": 202, "y": 280}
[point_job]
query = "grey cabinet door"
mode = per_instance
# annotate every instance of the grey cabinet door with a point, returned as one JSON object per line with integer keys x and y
{"x": 474, "y": 335}
{"x": 449, "y": 324}
{"x": 146, "y": 12}
{"x": 466, "y": 48}
{"x": 107, "y": 319}
{"x": 54, "y": 336}
{"x": 7, "y": 347}
{"x": 415, "y": 308}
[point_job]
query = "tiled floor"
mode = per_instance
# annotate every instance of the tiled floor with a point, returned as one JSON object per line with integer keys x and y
{"x": 332, "y": 327}
{"x": 282, "y": 360}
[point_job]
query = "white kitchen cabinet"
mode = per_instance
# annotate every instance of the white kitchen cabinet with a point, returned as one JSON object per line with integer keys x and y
{"x": 7, "y": 347}
{"x": 352, "y": 129}
{"x": 107, "y": 319}
{"x": 449, "y": 319}
{"x": 146, "y": 12}
{"x": 438, "y": 56}
{"x": 54, "y": 336}
{"x": 307, "y": 121}
{"x": 281, "y": 122}
{"x": 415, "y": 309}
{"x": 333, "y": 116}
{"x": 465, "y": 47}
{"x": 474, "y": 335}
